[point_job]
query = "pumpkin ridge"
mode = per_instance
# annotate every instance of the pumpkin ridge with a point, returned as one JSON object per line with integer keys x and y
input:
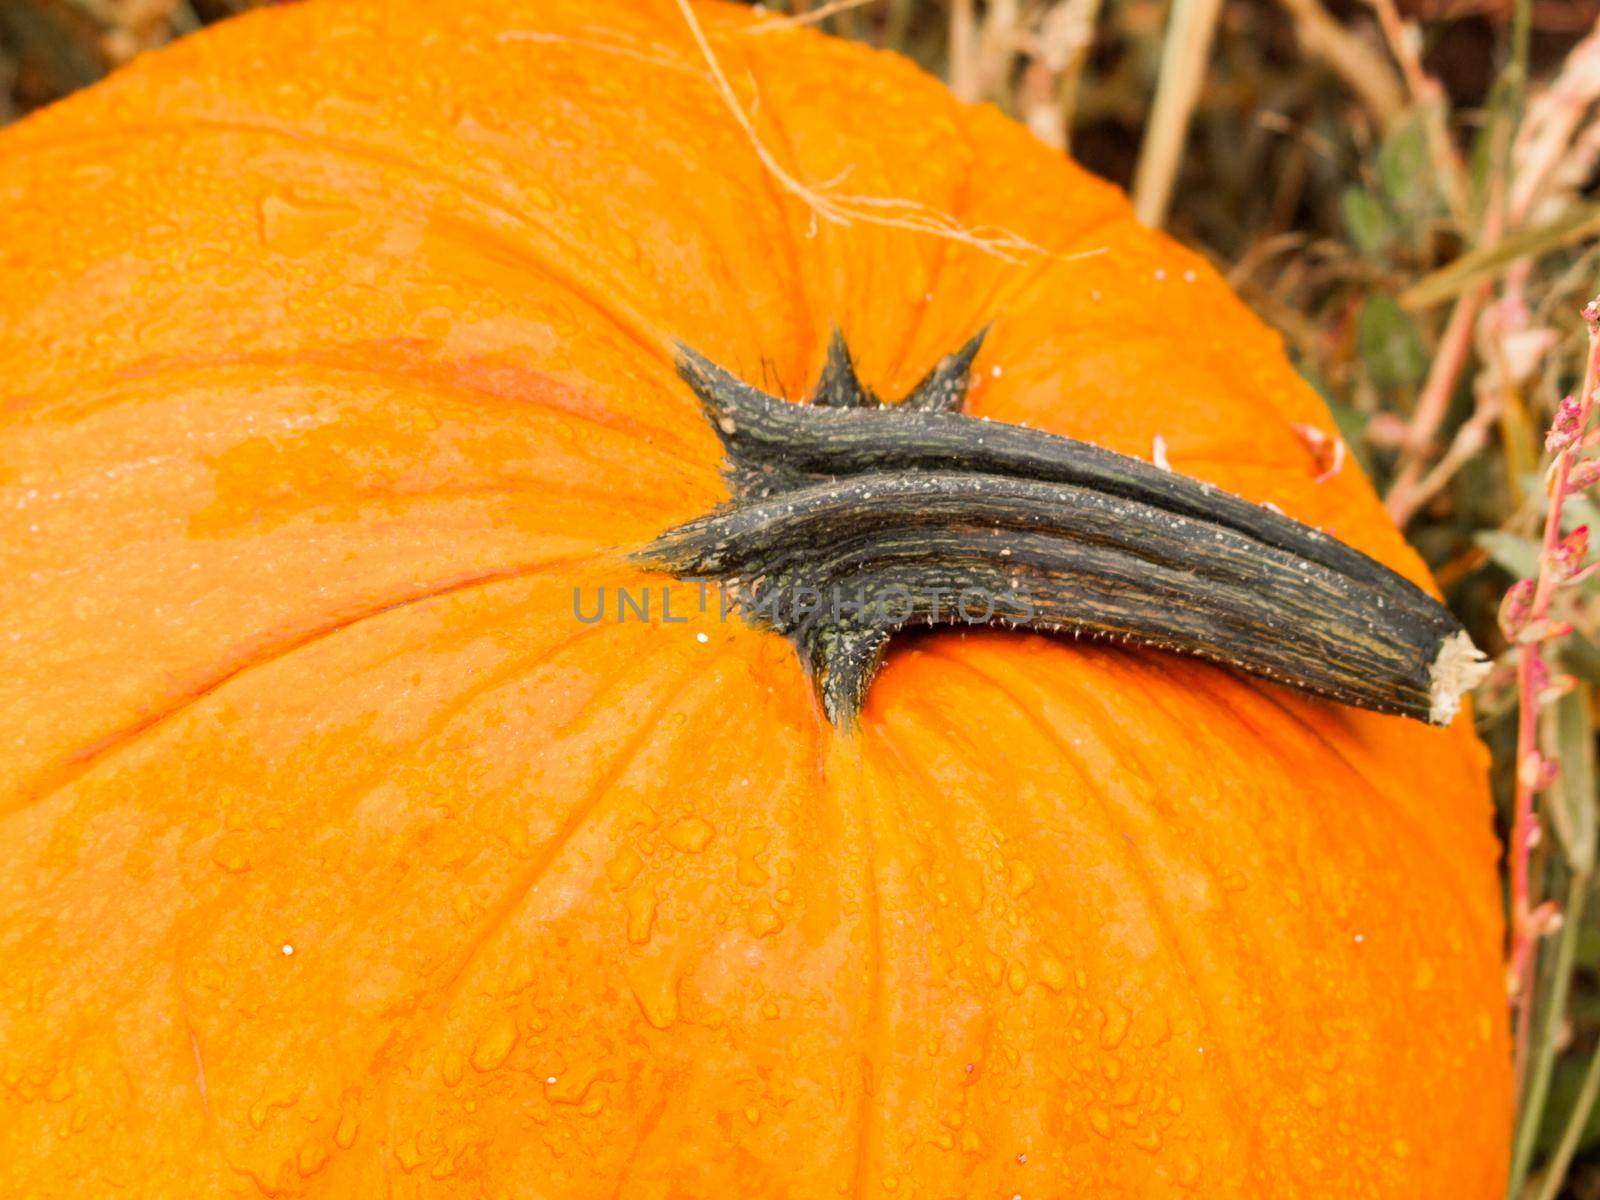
{"x": 200, "y": 916}
{"x": 1425, "y": 835}
{"x": 957, "y": 211}
{"x": 1004, "y": 287}
{"x": 806, "y": 328}
{"x": 1207, "y": 678}
{"x": 69, "y": 769}
{"x": 660, "y": 439}
{"x": 875, "y": 1029}
{"x": 1202, "y": 984}
{"x": 648, "y": 726}
{"x": 635, "y": 326}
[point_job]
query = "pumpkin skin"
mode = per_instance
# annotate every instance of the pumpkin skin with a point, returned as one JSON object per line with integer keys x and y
{"x": 341, "y": 859}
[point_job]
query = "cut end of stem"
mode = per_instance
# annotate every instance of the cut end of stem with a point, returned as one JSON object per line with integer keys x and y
{"x": 1457, "y": 669}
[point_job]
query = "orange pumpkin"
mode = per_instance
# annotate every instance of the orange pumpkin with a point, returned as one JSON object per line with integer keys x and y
{"x": 341, "y": 860}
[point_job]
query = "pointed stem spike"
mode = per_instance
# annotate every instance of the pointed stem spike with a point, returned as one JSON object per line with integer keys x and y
{"x": 840, "y": 386}
{"x": 944, "y": 388}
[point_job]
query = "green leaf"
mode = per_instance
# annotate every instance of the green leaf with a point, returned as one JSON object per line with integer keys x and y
{"x": 1517, "y": 556}
{"x": 1564, "y": 1093}
{"x": 1404, "y": 170}
{"x": 1389, "y": 344}
{"x": 1574, "y": 225}
{"x": 1569, "y": 727}
{"x": 1368, "y": 221}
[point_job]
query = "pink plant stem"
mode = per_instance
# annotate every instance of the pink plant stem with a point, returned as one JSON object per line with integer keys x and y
{"x": 1531, "y": 677}
{"x": 1403, "y": 499}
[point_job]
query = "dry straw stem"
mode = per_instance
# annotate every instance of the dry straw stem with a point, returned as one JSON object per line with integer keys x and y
{"x": 1184, "y": 53}
{"x": 813, "y": 16}
{"x": 1364, "y": 70}
{"x": 1429, "y": 97}
{"x": 843, "y": 209}
{"x": 1414, "y": 485}
{"x": 1050, "y": 39}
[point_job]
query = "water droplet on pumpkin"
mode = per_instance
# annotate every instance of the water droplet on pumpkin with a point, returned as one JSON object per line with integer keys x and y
{"x": 1052, "y": 973}
{"x": 640, "y": 904}
{"x": 623, "y": 867}
{"x": 1188, "y": 1170}
{"x": 691, "y": 835}
{"x": 1022, "y": 879}
{"x": 763, "y": 921}
{"x": 655, "y": 988}
{"x": 1115, "y": 1027}
{"x": 495, "y": 1044}
{"x": 311, "y": 1158}
{"x": 294, "y": 225}
{"x": 345, "y": 1135}
{"x": 625, "y": 244}
{"x": 1100, "y": 1121}
{"x": 452, "y": 1068}
{"x": 409, "y": 1156}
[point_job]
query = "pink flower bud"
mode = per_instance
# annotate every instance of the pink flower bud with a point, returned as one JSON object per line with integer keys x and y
{"x": 1567, "y": 556}
{"x": 1558, "y": 686}
{"x": 1517, "y": 608}
{"x": 1564, "y": 429}
{"x": 1542, "y": 630}
{"x": 1547, "y": 919}
{"x": 1536, "y": 772}
{"x": 1584, "y": 475}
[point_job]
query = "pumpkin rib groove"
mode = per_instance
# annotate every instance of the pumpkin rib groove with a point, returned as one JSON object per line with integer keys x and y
{"x": 1422, "y": 834}
{"x": 875, "y": 1031}
{"x": 601, "y": 550}
{"x": 1218, "y": 689}
{"x": 668, "y": 442}
{"x": 507, "y": 673}
{"x": 1263, "y": 736}
{"x": 807, "y": 332}
{"x": 1239, "y": 1094}
{"x": 919, "y": 777}
{"x": 648, "y": 726}
{"x": 638, "y": 329}
{"x": 1002, "y": 291}
{"x": 957, "y": 211}
{"x": 1329, "y": 828}
{"x": 802, "y": 328}
{"x": 648, "y": 1124}
{"x": 87, "y": 758}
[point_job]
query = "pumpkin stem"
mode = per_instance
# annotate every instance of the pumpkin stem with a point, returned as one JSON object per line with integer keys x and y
{"x": 853, "y": 519}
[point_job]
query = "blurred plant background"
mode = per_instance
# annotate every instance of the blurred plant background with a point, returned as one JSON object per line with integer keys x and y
{"x": 1407, "y": 190}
